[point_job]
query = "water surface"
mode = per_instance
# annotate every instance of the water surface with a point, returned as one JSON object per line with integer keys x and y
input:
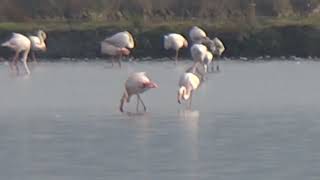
{"x": 253, "y": 120}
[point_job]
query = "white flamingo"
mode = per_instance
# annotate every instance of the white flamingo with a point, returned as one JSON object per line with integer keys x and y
{"x": 136, "y": 84}
{"x": 197, "y": 35}
{"x": 38, "y": 43}
{"x": 20, "y": 44}
{"x": 188, "y": 83}
{"x": 198, "y": 52}
{"x": 217, "y": 48}
{"x": 118, "y": 45}
{"x": 176, "y": 42}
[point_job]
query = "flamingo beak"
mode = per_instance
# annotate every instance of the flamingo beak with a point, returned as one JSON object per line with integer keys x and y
{"x": 154, "y": 85}
{"x": 125, "y": 51}
{"x": 151, "y": 85}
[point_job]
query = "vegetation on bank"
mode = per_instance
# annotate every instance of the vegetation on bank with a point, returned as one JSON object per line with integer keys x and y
{"x": 75, "y": 28}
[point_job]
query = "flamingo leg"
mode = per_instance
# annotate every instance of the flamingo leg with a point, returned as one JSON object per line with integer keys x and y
{"x": 177, "y": 55}
{"x": 190, "y": 101}
{"x": 24, "y": 60}
{"x": 33, "y": 55}
{"x": 112, "y": 61}
{"x": 119, "y": 60}
{"x": 138, "y": 101}
{"x": 14, "y": 62}
{"x": 212, "y": 67}
{"x": 218, "y": 68}
{"x": 144, "y": 106}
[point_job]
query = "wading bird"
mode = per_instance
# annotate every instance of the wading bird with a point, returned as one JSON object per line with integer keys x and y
{"x": 38, "y": 43}
{"x": 136, "y": 84}
{"x": 176, "y": 42}
{"x": 20, "y": 44}
{"x": 197, "y": 35}
{"x": 189, "y": 82}
{"x": 217, "y": 48}
{"x": 198, "y": 52}
{"x": 118, "y": 45}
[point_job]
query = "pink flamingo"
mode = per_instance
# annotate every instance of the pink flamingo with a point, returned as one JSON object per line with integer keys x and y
{"x": 189, "y": 82}
{"x": 118, "y": 45}
{"x": 176, "y": 42}
{"x": 20, "y": 44}
{"x": 136, "y": 84}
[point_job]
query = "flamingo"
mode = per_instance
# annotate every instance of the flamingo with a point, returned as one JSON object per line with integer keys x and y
{"x": 217, "y": 48}
{"x": 38, "y": 43}
{"x": 20, "y": 44}
{"x": 176, "y": 42}
{"x": 136, "y": 84}
{"x": 198, "y": 52}
{"x": 118, "y": 45}
{"x": 188, "y": 83}
{"x": 197, "y": 35}
{"x": 112, "y": 50}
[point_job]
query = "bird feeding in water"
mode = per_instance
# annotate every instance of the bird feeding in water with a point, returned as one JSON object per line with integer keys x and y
{"x": 176, "y": 42}
{"x": 21, "y": 45}
{"x": 198, "y": 52}
{"x": 136, "y": 84}
{"x": 117, "y": 45}
{"x": 38, "y": 43}
{"x": 189, "y": 82}
{"x": 217, "y": 48}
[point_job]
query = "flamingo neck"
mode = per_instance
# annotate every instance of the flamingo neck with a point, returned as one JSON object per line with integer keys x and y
{"x": 184, "y": 92}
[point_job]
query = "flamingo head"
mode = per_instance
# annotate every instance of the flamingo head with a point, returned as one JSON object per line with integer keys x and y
{"x": 181, "y": 93}
{"x": 150, "y": 85}
{"x": 42, "y": 34}
{"x": 124, "y": 51}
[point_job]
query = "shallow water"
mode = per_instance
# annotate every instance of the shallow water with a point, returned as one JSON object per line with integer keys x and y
{"x": 253, "y": 120}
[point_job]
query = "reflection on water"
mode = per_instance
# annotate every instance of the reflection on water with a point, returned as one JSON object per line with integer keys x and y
{"x": 250, "y": 121}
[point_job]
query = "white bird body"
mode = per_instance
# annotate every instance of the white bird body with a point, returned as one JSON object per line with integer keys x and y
{"x": 121, "y": 39}
{"x": 198, "y": 52}
{"x": 117, "y": 45}
{"x": 196, "y": 34}
{"x": 217, "y": 46}
{"x": 136, "y": 84}
{"x": 208, "y": 60}
{"x": 38, "y": 42}
{"x": 112, "y": 50}
{"x": 176, "y": 42}
{"x": 20, "y": 44}
{"x": 188, "y": 83}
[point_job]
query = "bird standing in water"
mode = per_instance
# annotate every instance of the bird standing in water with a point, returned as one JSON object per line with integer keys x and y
{"x": 197, "y": 35}
{"x": 176, "y": 42}
{"x": 20, "y": 44}
{"x": 118, "y": 45}
{"x": 136, "y": 84}
{"x": 189, "y": 82}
